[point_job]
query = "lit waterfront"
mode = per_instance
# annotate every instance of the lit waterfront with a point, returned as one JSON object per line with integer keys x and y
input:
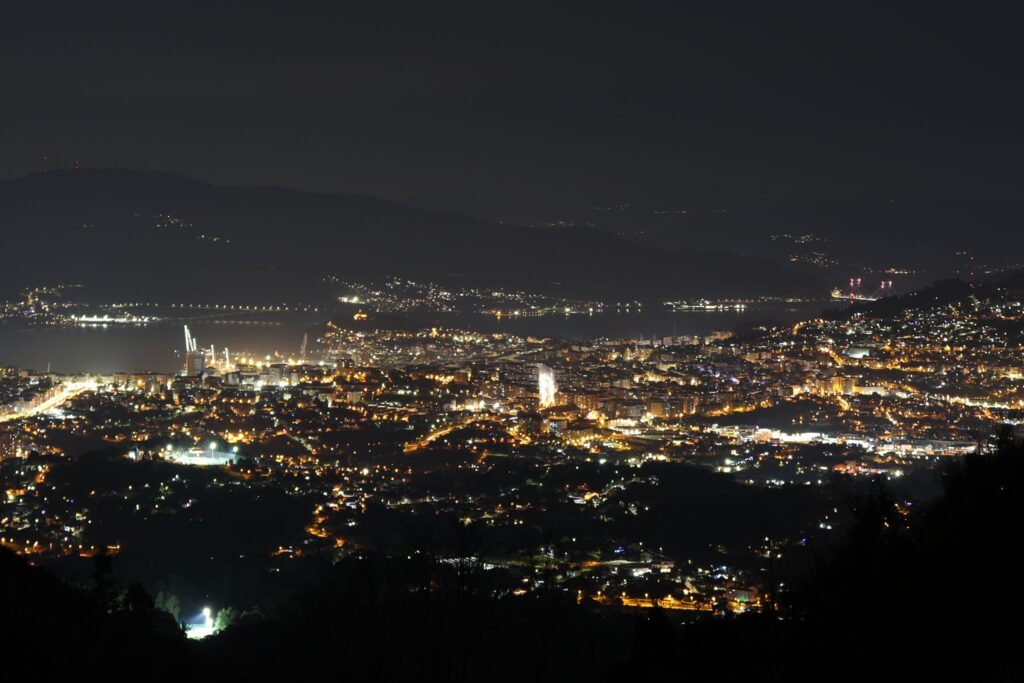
{"x": 153, "y": 347}
{"x": 371, "y": 414}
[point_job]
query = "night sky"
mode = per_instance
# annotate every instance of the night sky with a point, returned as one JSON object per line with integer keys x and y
{"x": 524, "y": 111}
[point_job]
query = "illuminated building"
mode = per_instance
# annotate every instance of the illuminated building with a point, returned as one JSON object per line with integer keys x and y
{"x": 546, "y": 388}
{"x": 202, "y": 457}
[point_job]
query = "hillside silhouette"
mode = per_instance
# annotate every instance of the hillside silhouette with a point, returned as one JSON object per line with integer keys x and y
{"x": 914, "y": 593}
{"x": 173, "y": 238}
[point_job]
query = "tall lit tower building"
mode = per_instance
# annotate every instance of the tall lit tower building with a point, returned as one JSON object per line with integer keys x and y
{"x": 546, "y": 388}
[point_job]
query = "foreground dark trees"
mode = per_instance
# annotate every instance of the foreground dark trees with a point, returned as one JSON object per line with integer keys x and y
{"x": 913, "y": 594}
{"x": 49, "y": 630}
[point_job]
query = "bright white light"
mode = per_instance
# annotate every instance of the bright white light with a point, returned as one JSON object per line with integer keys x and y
{"x": 201, "y": 630}
{"x": 546, "y": 385}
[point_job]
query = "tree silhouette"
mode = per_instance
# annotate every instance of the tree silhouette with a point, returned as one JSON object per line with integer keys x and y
{"x": 104, "y": 585}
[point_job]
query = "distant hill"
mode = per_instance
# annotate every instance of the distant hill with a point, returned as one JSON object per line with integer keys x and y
{"x": 941, "y": 293}
{"x": 158, "y": 236}
{"x": 881, "y": 232}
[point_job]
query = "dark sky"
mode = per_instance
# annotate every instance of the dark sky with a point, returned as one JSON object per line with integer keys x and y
{"x": 524, "y": 110}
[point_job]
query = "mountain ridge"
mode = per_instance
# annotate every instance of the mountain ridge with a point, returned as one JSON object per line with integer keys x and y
{"x": 120, "y": 230}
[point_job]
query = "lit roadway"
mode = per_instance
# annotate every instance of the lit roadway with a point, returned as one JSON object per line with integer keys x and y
{"x": 438, "y": 433}
{"x": 426, "y": 440}
{"x": 67, "y": 391}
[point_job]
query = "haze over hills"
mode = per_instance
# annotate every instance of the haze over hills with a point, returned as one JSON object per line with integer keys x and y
{"x": 157, "y": 236}
{"x": 930, "y": 234}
